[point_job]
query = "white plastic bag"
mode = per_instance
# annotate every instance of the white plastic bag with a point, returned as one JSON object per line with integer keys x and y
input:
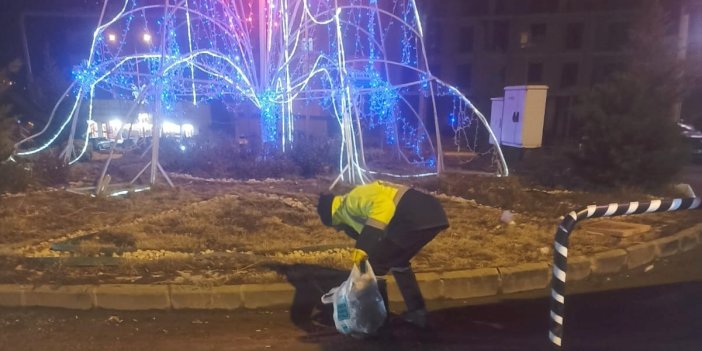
{"x": 359, "y": 310}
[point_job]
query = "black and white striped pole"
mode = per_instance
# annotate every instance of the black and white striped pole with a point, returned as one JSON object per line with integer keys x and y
{"x": 560, "y": 245}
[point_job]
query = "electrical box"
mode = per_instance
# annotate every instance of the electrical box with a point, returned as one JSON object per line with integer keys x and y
{"x": 496, "y": 118}
{"x": 521, "y": 122}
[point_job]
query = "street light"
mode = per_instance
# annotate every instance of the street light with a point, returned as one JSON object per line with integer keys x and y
{"x": 147, "y": 38}
{"x": 112, "y": 37}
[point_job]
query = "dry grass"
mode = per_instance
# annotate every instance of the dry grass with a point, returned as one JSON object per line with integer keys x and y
{"x": 46, "y": 215}
{"x": 230, "y": 233}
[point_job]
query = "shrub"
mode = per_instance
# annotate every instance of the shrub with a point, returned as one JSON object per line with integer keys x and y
{"x": 7, "y": 127}
{"x": 628, "y": 136}
{"x": 14, "y": 177}
{"x": 549, "y": 167}
{"x": 314, "y": 155}
{"x": 49, "y": 170}
{"x": 220, "y": 156}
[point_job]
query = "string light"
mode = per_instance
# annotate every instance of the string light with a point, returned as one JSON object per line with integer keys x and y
{"x": 212, "y": 51}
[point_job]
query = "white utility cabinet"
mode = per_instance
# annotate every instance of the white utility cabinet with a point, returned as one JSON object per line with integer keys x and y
{"x": 496, "y": 118}
{"x": 521, "y": 122}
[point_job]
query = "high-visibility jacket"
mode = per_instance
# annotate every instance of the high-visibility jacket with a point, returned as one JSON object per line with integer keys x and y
{"x": 393, "y": 209}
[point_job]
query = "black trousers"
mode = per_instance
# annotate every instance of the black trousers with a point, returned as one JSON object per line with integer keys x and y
{"x": 389, "y": 257}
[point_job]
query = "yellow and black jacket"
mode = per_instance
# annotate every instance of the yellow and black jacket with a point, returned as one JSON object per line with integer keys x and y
{"x": 379, "y": 209}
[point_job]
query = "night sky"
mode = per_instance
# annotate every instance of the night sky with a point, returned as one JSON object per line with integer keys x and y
{"x": 63, "y": 31}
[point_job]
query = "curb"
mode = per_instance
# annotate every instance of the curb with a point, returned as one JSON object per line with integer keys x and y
{"x": 450, "y": 285}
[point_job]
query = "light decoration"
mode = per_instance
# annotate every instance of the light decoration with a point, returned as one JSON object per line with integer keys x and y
{"x": 363, "y": 62}
{"x": 115, "y": 124}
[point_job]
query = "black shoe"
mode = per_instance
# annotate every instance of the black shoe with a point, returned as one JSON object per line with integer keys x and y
{"x": 417, "y": 318}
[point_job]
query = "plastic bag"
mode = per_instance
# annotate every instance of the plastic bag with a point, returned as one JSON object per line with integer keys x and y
{"x": 359, "y": 310}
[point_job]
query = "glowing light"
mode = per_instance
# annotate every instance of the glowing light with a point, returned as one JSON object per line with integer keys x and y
{"x": 297, "y": 55}
{"x": 188, "y": 129}
{"x": 171, "y": 128}
{"x": 144, "y": 117}
{"x": 115, "y": 124}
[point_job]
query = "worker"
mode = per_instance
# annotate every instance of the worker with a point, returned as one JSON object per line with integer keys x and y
{"x": 391, "y": 224}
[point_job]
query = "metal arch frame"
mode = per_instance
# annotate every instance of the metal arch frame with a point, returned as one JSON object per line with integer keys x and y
{"x": 345, "y": 111}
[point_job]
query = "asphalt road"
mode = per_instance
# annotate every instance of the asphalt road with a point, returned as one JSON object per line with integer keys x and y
{"x": 608, "y": 313}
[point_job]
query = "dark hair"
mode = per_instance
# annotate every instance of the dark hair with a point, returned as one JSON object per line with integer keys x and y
{"x": 324, "y": 208}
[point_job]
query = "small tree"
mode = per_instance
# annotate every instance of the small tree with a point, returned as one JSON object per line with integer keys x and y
{"x": 13, "y": 177}
{"x": 7, "y": 118}
{"x": 628, "y": 135}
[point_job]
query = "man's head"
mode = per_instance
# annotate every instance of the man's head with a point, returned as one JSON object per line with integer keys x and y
{"x": 324, "y": 208}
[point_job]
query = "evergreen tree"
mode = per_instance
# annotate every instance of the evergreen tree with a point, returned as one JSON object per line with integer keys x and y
{"x": 629, "y": 137}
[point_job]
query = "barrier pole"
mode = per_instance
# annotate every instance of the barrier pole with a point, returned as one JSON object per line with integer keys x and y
{"x": 560, "y": 248}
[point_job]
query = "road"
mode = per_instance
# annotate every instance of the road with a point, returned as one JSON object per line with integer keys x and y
{"x": 608, "y": 313}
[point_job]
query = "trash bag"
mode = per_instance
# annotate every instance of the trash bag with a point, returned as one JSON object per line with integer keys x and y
{"x": 359, "y": 310}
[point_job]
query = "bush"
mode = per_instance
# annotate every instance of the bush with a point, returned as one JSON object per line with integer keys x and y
{"x": 14, "y": 178}
{"x": 220, "y": 156}
{"x": 628, "y": 137}
{"x": 549, "y": 167}
{"x": 46, "y": 169}
{"x": 314, "y": 155}
{"x": 7, "y": 127}
{"x": 49, "y": 170}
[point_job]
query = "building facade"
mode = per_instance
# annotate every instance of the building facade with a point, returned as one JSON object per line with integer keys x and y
{"x": 481, "y": 46}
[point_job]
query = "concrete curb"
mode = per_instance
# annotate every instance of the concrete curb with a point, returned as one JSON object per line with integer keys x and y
{"x": 451, "y": 285}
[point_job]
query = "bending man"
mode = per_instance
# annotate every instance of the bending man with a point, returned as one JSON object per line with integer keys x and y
{"x": 390, "y": 224}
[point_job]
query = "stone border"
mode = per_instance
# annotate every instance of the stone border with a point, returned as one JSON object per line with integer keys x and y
{"x": 452, "y": 285}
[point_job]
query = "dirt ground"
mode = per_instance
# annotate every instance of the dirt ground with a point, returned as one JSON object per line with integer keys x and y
{"x": 217, "y": 232}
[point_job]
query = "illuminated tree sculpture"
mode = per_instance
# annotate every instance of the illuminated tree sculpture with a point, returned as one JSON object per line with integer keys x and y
{"x": 361, "y": 62}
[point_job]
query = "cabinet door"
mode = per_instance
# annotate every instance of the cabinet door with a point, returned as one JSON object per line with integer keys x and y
{"x": 496, "y": 119}
{"x": 513, "y": 117}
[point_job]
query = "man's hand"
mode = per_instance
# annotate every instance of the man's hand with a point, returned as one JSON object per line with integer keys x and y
{"x": 358, "y": 256}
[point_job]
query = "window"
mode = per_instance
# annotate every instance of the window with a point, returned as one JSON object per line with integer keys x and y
{"x": 569, "y": 75}
{"x": 496, "y": 35}
{"x": 575, "y": 5}
{"x": 501, "y": 7}
{"x": 615, "y": 37}
{"x": 573, "y": 38}
{"x": 308, "y": 44}
{"x": 541, "y": 6}
{"x": 535, "y": 72}
{"x": 523, "y": 39}
{"x": 537, "y": 32}
{"x": 464, "y": 76}
{"x": 474, "y": 7}
{"x": 603, "y": 70}
{"x": 500, "y": 35}
{"x": 466, "y": 39}
{"x": 602, "y": 5}
{"x": 535, "y": 36}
